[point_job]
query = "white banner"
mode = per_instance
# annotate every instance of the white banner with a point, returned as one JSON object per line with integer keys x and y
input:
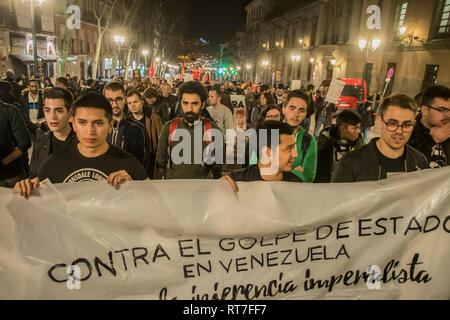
{"x": 199, "y": 240}
{"x": 335, "y": 90}
{"x": 240, "y": 111}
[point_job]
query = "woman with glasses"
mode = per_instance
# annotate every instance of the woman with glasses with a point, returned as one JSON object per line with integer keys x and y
{"x": 265, "y": 99}
{"x": 272, "y": 112}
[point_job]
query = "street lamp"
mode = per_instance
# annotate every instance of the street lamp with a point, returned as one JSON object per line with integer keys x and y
{"x": 370, "y": 47}
{"x": 119, "y": 40}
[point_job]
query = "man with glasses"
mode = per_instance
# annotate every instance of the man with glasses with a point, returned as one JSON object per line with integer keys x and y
{"x": 388, "y": 155}
{"x": 127, "y": 134}
{"x": 431, "y": 134}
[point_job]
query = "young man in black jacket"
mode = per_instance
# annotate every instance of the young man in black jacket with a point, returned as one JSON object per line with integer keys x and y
{"x": 336, "y": 141}
{"x": 431, "y": 133}
{"x": 14, "y": 139}
{"x": 57, "y": 107}
{"x": 388, "y": 155}
{"x": 127, "y": 134}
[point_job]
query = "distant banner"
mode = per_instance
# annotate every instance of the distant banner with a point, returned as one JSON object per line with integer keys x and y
{"x": 335, "y": 90}
{"x": 198, "y": 240}
{"x": 240, "y": 111}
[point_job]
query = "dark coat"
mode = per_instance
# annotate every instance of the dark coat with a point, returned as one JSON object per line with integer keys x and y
{"x": 422, "y": 140}
{"x": 42, "y": 150}
{"x": 13, "y": 133}
{"x": 327, "y": 145}
{"x": 363, "y": 164}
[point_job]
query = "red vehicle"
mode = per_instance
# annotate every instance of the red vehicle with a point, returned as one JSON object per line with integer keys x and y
{"x": 352, "y": 94}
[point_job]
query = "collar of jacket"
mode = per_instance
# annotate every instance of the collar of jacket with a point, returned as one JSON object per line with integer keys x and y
{"x": 410, "y": 163}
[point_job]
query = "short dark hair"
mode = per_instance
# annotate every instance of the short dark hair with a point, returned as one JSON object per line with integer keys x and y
{"x": 150, "y": 93}
{"x": 59, "y": 93}
{"x": 297, "y": 93}
{"x": 93, "y": 100}
{"x": 398, "y": 100}
{"x": 269, "y": 98}
{"x": 268, "y": 126}
{"x": 264, "y": 87}
{"x": 33, "y": 80}
{"x": 280, "y": 86}
{"x": 435, "y": 92}
{"x": 347, "y": 118}
{"x": 114, "y": 86}
{"x": 193, "y": 87}
{"x": 63, "y": 81}
{"x": 310, "y": 87}
{"x": 134, "y": 92}
{"x": 216, "y": 88}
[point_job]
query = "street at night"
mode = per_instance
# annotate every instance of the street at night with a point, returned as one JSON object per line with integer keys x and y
{"x": 229, "y": 150}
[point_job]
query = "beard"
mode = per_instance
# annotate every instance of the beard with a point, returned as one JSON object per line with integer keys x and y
{"x": 190, "y": 117}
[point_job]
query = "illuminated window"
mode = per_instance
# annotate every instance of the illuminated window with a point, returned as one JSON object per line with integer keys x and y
{"x": 401, "y": 19}
{"x": 444, "y": 26}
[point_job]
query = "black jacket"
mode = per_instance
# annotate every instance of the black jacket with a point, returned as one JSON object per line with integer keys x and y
{"x": 13, "y": 133}
{"x": 363, "y": 164}
{"x": 329, "y": 151}
{"x": 367, "y": 117}
{"x": 423, "y": 141}
{"x": 131, "y": 136}
{"x": 25, "y": 102}
{"x": 43, "y": 149}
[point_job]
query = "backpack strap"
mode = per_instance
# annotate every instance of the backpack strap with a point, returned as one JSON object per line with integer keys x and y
{"x": 208, "y": 137}
{"x": 173, "y": 127}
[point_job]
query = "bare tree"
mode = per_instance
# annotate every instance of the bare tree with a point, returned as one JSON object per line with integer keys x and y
{"x": 67, "y": 37}
{"x": 103, "y": 11}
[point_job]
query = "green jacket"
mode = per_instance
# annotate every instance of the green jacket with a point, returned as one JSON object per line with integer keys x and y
{"x": 309, "y": 162}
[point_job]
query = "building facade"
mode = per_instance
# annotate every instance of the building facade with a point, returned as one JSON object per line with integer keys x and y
{"x": 324, "y": 39}
{"x": 16, "y": 43}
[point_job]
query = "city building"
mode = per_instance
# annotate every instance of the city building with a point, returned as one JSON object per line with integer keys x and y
{"x": 313, "y": 40}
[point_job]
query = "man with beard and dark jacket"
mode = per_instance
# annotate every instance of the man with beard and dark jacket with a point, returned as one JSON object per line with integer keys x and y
{"x": 14, "y": 139}
{"x": 389, "y": 155}
{"x": 191, "y": 164}
{"x": 431, "y": 133}
{"x": 127, "y": 134}
{"x": 336, "y": 141}
{"x": 32, "y": 105}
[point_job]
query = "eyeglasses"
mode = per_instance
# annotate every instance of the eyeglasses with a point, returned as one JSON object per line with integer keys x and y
{"x": 441, "y": 109}
{"x": 392, "y": 126}
{"x": 276, "y": 116}
{"x": 117, "y": 100}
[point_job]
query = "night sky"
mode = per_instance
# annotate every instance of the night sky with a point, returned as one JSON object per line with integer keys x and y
{"x": 215, "y": 20}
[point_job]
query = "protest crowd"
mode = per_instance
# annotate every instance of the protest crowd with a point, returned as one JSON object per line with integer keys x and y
{"x": 120, "y": 130}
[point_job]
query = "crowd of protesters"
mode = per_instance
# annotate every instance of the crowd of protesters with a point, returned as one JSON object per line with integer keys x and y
{"x": 86, "y": 130}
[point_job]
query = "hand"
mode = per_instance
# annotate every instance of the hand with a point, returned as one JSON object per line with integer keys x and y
{"x": 232, "y": 183}
{"x": 299, "y": 168}
{"x": 26, "y": 187}
{"x": 440, "y": 133}
{"x": 117, "y": 177}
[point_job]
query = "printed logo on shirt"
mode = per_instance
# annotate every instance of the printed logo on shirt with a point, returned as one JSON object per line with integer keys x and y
{"x": 438, "y": 159}
{"x": 86, "y": 174}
